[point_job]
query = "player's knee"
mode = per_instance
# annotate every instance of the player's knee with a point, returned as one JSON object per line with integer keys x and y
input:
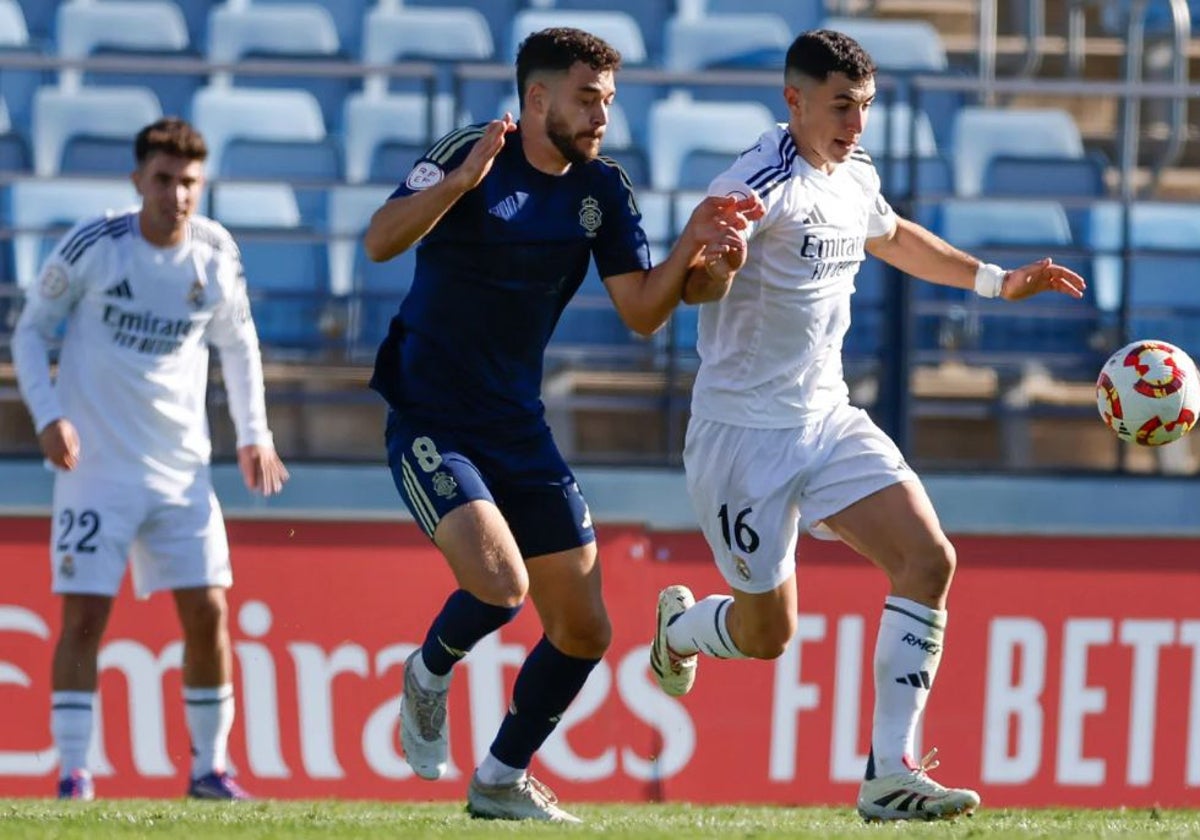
{"x": 585, "y": 637}
{"x": 935, "y": 566}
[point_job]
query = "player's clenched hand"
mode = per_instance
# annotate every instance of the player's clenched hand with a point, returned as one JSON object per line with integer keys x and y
{"x": 261, "y": 468}
{"x": 60, "y": 443}
{"x": 1041, "y": 276}
{"x": 479, "y": 160}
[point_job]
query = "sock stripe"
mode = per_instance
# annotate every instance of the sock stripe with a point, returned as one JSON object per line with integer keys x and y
{"x": 719, "y": 621}
{"x": 926, "y": 621}
{"x": 83, "y": 707}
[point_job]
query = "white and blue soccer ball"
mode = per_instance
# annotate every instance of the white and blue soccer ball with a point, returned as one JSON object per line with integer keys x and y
{"x": 1148, "y": 393}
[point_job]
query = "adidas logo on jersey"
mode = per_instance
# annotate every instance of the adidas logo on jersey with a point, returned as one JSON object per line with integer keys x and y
{"x": 508, "y": 208}
{"x": 120, "y": 290}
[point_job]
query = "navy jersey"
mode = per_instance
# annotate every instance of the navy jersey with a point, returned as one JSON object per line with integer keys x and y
{"x": 491, "y": 280}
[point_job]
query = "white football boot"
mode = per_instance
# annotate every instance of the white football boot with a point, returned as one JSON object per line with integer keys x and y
{"x": 912, "y": 795}
{"x": 526, "y": 799}
{"x": 675, "y": 674}
{"x": 423, "y": 729}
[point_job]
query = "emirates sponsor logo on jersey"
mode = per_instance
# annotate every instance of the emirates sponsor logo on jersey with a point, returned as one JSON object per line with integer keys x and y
{"x": 146, "y": 332}
{"x": 590, "y": 217}
{"x": 832, "y": 256}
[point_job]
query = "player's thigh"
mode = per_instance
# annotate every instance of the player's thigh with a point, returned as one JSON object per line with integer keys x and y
{"x": 445, "y": 490}
{"x": 866, "y": 494}
{"x": 93, "y": 527}
{"x": 182, "y": 544}
{"x": 743, "y": 484}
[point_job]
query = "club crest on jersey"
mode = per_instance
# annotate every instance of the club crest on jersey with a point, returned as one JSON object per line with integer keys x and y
{"x": 590, "y": 216}
{"x": 67, "y": 567}
{"x": 423, "y": 176}
{"x": 195, "y": 295}
{"x": 53, "y": 282}
{"x": 741, "y": 567}
{"x": 444, "y": 485}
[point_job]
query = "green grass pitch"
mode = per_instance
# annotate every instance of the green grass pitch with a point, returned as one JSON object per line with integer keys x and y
{"x": 335, "y": 820}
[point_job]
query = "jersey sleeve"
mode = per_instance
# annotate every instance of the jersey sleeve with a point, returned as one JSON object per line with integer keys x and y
{"x": 233, "y": 333}
{"x": 48, "y": 302}
{"x": 621, "y": 246}
{"x": 443, "y": 156}
{"x": 756, "y": 171}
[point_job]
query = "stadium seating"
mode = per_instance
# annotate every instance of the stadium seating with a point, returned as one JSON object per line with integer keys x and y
{"x": 223, "y": 114}
{"x": 347, "y": 17}
{"x": 897, "y": 46}
{"x": 680, "y": 126}
{"x": 373, "y": 121}
{"x": 13, "y": 30}
{"x": 14, "y": 151}
{"x": 54, "y": 205}
{"x": 975, "y": 224}
{"x": 733, "y": 40}
{"x": 902, "y": 147}
{"x": 111, "y": 113}
{"x": 981, "y": 133}
{"x": 799, "y": 15}
{"x": 619, "y": 29}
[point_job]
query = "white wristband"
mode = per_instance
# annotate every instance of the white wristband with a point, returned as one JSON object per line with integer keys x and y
{"x": 989, "y": 280}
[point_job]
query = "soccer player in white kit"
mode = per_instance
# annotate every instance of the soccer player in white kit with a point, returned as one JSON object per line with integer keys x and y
{"x": 143, "y": 293}
{"x": 774, "y": 442}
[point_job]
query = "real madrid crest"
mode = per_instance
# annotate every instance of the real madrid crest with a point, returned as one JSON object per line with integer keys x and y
{"x": 196, "y": 293}
{"x": 67, "y": 567}
{"x": 742, "y": 567}
{"x": 590, "y": 216}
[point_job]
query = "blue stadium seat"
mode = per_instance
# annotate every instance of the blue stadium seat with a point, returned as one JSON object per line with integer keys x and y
{"x": 347, "y": 16}
{"x": 999, "y": 222}
{"x": 371, "y": 121}
{"x": 52, "y": 206}
{"x": 1027, "y": 175}
{"x": 301, "y": 31}
{"x": 286, "y": 263}
{"x": 110, "y": 113}
{"x": 349, "y": 210}
{"x": 897, "y": 46}
{"x": 742, "y": 40}
{"x": 14, "y": 150}
{"x": 651, "y": 16}
{"x": 800, "y": 15}
{"x": 903, "y": 148}
{"x": 499, "y": 13}
{"x": 981, "y": 134}
{"x": 14, "y": 31}
{"x": 679, "y": 126}
{"x": 225, "y": 113}
{"x": 619, "y": 29}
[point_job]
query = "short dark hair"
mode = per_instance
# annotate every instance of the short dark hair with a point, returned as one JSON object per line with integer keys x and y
{"x": 557, "y": 49}
{"x": 818, "y": 53}
{"x": 172, "y": 136}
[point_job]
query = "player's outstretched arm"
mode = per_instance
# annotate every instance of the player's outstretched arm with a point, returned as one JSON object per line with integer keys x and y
{"x": 401, "y": 222}
{"x": 646, "y": 299}
{"x": 261, "y": 468}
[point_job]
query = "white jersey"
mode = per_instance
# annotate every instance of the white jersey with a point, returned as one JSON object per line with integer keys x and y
{"x": 771, "y": 350}
{"x": 133, "y": 368}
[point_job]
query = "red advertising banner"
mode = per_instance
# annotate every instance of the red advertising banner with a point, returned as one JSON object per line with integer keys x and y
{"x": 1071, "y": 675}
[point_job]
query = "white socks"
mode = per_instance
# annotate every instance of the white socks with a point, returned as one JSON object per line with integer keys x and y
{"x": 703, "y": 629}
{"x": 209, "y": 718}
{"x": 71, "y": 721}
{"x": 426, "y": 678}
{"x": 907, "y": 653}
{"x": 493, "y": 771}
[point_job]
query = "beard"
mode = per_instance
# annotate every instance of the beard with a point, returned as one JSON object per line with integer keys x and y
{"x": 562, "y": 138}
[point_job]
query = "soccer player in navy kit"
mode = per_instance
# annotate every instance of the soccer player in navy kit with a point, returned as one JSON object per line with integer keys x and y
{"x": 508, "y": 216}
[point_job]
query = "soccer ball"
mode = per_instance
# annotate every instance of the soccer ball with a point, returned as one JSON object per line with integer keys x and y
{"x": 1148, "y": 392}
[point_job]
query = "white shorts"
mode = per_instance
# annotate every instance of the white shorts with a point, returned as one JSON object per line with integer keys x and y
{"x": 174, "y": 538}
{"x": 753, "y": 488}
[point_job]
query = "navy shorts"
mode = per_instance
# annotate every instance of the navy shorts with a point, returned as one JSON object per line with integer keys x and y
{"x": 436, "y": 470}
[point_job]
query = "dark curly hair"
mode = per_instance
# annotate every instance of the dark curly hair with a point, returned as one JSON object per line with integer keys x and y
{"x": 172, "y": 136}
{"x": 557, "y": 49}
{"x": 819, "y": 53}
